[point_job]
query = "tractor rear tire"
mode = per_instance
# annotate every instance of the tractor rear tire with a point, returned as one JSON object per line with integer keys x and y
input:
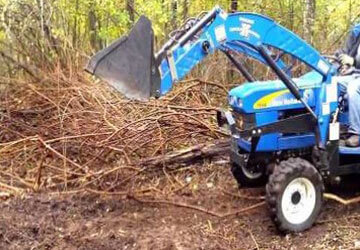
{"x": 294, "y": 195}
{"x": 246, "y": 178}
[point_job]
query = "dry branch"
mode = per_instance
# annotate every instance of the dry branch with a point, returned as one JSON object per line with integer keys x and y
{"x": 341, "y": 200}
{"x": 61, "y": 155}
{"x": 198, "y": 208}
{"x": 204, "y": 150}
{"x": 15, "y": 189}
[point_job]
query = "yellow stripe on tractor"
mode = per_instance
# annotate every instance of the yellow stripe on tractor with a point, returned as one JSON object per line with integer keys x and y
{"x": 265, "y": 101}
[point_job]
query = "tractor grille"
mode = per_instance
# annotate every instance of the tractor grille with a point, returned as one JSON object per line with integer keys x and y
{"x": 244, "y": 121}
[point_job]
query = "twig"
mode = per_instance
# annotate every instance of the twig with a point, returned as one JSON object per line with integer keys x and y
{"x": 75, "y": 137}
{"x": 16, "y": 189}
{"x": 67, "y": 192}
{"x": 127, "y": 179}
{"x": 38, "y": 177}
{"x": 21, "y": 180}
{"x": 111, "y": 171}
{"x": 243, "y": 210}
{"x": 243, "y": 196}
{"x": 198, "y": 82}
{"x": 32, "y": 87}
{"x": 197, "y": 208}
{"x": 127, "y": 193}
{"x": 254, "y": 240}
{"x": 12, "y": 143}
{"x": 341, "y": 200}
{"x": 105, "y": 192}
{"x": 61, "y": 155}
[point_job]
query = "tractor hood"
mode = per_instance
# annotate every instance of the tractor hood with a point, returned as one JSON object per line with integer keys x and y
{"x": 273, "y": 95}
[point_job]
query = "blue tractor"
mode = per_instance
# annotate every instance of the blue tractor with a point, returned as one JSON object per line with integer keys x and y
{"x": 284, "y": 133}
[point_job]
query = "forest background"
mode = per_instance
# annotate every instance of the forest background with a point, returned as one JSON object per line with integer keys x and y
{"x": 39, "y": 34}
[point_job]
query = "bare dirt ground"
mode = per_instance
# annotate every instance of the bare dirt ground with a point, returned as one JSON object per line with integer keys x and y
{"x": 85, "y": 220}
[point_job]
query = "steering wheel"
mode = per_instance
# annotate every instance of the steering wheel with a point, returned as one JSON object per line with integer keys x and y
{"x": 343, "y": 70}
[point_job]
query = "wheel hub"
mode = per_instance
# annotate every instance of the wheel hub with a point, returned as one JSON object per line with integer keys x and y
{"x": 298, "y": 200}
{"x": 295, "y": 198}
{"x": 251, "y": 173}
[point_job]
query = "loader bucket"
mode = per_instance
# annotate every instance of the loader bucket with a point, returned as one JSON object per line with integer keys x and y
{"x": 128, "y": 64}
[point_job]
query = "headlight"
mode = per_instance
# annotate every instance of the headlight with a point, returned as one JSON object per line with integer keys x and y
{"x": 234, "y": 101}
{"x": 239, "y": 102}
{"x": 231, "y": 100}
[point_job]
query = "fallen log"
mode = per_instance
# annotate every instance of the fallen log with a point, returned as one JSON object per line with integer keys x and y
{"x": 191, "y": 154}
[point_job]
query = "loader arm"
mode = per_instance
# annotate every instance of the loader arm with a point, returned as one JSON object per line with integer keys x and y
{"x": 244, "y": 33}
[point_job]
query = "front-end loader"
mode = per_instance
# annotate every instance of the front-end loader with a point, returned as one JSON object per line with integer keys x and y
{"x": 284, "y": 133}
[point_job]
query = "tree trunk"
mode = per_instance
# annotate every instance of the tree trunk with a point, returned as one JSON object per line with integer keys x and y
{"x": 230, "y": 67}
{"x": 185, "y": 9}
{"x": 174, "y": 7}
{"x": 75, "y": 28}
{"x": 98, "y": 39}
{"x": 309, "y": 19}
{"x": 234, "y": 6}
{"x": 350, "y": 14}
{"x": 92, "y": 26}
{"x": 291, "y": 14}
{"x": 130, "y": 7}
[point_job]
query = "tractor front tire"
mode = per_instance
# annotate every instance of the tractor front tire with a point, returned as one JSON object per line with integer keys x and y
{"x": 247, "y": 178}
{"x": 294, "y": 194}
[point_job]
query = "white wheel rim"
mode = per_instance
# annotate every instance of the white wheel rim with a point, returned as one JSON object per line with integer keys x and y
{"x": 249, "y": 174}
{"x": 298, "y": 200}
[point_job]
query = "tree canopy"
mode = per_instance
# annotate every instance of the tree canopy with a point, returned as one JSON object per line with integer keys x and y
{"x": 41, "y": 30}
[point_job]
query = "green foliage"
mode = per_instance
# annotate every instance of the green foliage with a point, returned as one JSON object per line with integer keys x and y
{"x": 89, "y": 25}
{"x": 71, "y": 17}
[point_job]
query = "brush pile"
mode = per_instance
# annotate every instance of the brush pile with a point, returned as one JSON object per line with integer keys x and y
{"x": 60, "y": 130}
{"x": 71, "y": 133}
